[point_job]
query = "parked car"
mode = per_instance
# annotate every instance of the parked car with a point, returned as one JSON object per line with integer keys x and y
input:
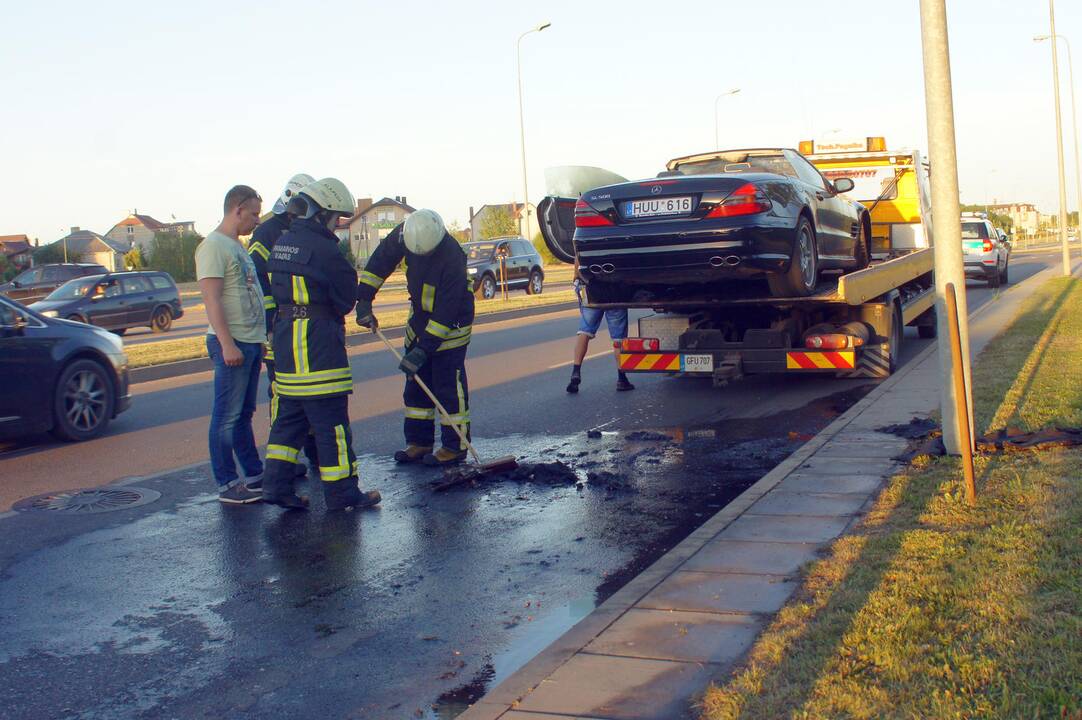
{"x": 37, "y": 282}
{"x": 59, "y": 376}
{"x": 985, "y": 255}
{"x": 523, "y": 267}
{"x": 117, "y": 301}
{"x": 706, "y": 220}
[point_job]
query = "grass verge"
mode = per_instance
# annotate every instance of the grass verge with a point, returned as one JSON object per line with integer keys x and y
{"x": 167, "y": 351}
{"x": 931, "y": 608}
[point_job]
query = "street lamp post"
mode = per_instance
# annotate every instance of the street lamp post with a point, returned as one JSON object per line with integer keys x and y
{"x": 734, "y": 91}
{"x": 1074, "y": 122}
{"x": 1059, "y": 141}
{"x": 524, "y": 227}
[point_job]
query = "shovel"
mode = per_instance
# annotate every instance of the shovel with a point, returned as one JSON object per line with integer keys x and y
{"x": 481, "y": 467}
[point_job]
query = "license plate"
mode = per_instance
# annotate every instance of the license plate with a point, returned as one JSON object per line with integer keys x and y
{"x": 657, "y": 207}
{"x": 697, "y": 363}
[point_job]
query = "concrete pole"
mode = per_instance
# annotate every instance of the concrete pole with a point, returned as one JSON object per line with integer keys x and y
{"x": 524, "y": 224}
{"x": 1059, "y": 143}
{"x": 946, "y": 226}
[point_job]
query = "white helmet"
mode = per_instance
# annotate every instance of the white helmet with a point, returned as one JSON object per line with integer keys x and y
{"x": 331, "y": 194}
{"x": 294, "y": 186}
{"x": 423, "y": 231}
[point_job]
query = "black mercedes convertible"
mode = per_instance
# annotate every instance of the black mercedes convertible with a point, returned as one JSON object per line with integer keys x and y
{"x": 705, "y": 221}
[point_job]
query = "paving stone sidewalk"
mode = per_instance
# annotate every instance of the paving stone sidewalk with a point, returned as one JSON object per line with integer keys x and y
{"x": 654, "y": 646}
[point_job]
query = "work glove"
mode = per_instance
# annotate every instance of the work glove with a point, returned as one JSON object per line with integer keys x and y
{"x": 365, "y": 316}
{"x": 413, "y": 361}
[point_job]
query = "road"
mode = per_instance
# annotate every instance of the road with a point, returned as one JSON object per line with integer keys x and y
{"x": 183, "y": 608}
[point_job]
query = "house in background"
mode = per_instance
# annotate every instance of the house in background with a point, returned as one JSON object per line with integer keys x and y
{"x": 17, "y": 249}
{"x": 477, "y": 219}
{"x": 139, "y": 229}
{"x": 1025, "y": 218}
{"x": 89, "y": 247}
{"x": 373, "y": 221}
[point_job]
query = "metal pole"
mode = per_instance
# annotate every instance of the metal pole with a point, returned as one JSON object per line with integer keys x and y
{"x": 734, "y": 91}
{"x": 524, "y": 223}
{"x": 946, "y": 229}
{"x": 1059, "y": 142}
{"x": 962, "y": 409}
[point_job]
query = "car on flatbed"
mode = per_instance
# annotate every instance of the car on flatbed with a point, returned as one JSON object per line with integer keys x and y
{"x": 709, "y": 219}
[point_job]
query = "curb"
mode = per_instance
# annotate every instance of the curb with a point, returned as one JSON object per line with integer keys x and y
{"x": 164, "y": 371}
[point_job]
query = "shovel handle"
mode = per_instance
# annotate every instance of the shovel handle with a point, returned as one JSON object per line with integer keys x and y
{"x": 431, "y": 396}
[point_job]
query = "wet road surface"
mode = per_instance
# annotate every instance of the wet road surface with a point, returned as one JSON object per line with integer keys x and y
{"x": 182, "y": 608}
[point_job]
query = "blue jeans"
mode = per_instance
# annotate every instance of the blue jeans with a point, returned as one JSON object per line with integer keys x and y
{"x": 235, "y": 391}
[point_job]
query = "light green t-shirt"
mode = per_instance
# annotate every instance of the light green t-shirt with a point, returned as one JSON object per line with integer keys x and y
{"x": 220, "y": 256}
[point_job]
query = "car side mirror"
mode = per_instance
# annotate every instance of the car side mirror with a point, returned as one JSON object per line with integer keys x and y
{"x": 16, "y": 283}
{"x": 843, "y": 185}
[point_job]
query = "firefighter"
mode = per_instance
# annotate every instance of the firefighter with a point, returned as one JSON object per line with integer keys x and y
{"x": 437, "y": 334}
{"x": 314, "y": 287}
{"x": 259, "y": 248}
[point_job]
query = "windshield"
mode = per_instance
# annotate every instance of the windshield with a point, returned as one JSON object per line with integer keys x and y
{"x": 73, "y": 289}
{"x": 974, "y": 231}
{"x": 739, "y": 161}
{"x": 479, "y": 251}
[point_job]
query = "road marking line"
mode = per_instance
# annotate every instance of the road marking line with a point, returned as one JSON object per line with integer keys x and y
{"x": 588, "y": 357}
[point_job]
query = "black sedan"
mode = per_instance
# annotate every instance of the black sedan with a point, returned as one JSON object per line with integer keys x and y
{"x": 58, "y": 375}
{"x": 707, "y": 220}
{"x": 117, "y": 301}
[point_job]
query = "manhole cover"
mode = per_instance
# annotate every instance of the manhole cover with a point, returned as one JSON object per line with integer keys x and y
{"x": 86, "y": 502}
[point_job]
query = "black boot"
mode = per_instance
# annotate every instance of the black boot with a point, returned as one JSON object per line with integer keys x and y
{"x": 278, "y": 489}
{"x": 346, "y": 495}
{"x": 576, "y": 379}
{"x": 622, "y": 383}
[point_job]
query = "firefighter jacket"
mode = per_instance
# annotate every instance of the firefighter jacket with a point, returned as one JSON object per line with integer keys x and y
{"x": 259, "y": 248}
{"x": 441, "y": 300}
{"x": 314, "y": 287}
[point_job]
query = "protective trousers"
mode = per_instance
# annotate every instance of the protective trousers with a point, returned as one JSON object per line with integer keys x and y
{"x": 310, "y": 439}
{"x": 329, "y": 419}
{"x": 445, "y": 375}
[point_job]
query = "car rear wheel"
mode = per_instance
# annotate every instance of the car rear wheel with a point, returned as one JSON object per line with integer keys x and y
{"x": 1004, "y": 276}
{"x": 803, "y": 273}
{"x": 860, "y": 252}
{"x": 487, "y": 289}
{"x": 536, "y": 283}
{"x": 162, "y": 320}
{"x": 83, "y": 402}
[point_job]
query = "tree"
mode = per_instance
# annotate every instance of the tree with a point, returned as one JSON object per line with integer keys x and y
{"x": 7, "y": 269}
{"x": 458, "y": 232}
{"x": 174, "y": 254}
{"x": 498, "y": 222}
{"x": 1003, "y": 222}
{"x": 54, "y": 253}
{"x": 133, "y": 259}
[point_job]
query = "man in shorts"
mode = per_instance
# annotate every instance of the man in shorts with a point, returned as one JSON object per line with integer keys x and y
{"x": 589, "y": 323}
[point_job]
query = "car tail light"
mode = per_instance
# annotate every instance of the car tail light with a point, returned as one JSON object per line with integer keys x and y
{"x": 748, "y": 199}
{"x": 832, "y": 341}
{"x": 987, "y": 245}
{"x": 640, "y": 344}
{"x": 586, "y": 216}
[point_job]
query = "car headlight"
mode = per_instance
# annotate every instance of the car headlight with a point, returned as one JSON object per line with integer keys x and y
{"x": 471, "y": 271}
{"x": 50, "y": 313}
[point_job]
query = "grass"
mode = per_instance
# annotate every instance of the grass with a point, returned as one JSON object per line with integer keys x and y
{"x": 932, "y": 608}
{"x": 167, "y": 351}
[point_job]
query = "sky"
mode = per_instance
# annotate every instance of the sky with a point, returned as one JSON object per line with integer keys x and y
{"x": 113, "y": 106}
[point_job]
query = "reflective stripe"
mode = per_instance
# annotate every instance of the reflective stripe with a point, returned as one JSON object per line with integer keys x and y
{"x": 260, "y": 250}
{"x": 428, "y": 297}
{"x": 273, "y": 406}
{"x": 461, "y": 392}
{"x": 454, "y": 343}
{"x": 457, "y": 419}
{"x": 344, "y": 469}
{"x": 371, "y": 279}
{"x": 293, "y": 378}
{"x": 300, "y": 345}
{"x": 283, "y": 453}
{"x": 268, "y": 302}
{"x": 316, "y": 389}
{"x": 300, "y": 290}
{"x": 415, "y": 413}
{"x": 410, "y": 335}
{"x": 438, "y": 329}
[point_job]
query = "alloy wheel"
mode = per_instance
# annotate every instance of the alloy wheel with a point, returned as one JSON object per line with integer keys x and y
{"x": 807, "y": 257}
{"x": 488, "y": 288}
{"x": 84, "y": 400}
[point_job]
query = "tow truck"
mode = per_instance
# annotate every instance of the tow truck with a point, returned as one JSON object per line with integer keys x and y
{"x": 851, "y": 326}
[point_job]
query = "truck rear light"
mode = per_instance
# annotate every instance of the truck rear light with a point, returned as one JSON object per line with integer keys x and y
{"x": 987, "y": 245}
{"x": 640, "y": 344}
{"x": 832, "y": 341}
{"x": 748, "y": 199}
{"x": 587, "y": 216}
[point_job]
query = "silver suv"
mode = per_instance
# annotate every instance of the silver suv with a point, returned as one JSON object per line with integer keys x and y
{"x": 986, "y": 256}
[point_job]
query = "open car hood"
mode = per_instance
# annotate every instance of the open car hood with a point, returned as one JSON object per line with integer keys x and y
{"x": 556, "y": 212}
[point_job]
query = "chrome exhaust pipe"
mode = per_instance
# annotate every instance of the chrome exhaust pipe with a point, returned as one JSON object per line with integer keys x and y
{"x": 732, "y": 260}
{"x": 716, "y": 261}
{"x": 595, "y": 269}
{"x": 607, "y": 268}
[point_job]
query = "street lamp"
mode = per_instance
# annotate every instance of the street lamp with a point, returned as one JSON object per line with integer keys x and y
{"x": 1074, "y": 120}
{"x": 525, "y": 228}
{"x": 1059, "y": 141}
{"x": 734, "y": 91}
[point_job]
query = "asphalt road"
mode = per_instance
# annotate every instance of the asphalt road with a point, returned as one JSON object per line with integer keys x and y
{"x": 182, "y": 608}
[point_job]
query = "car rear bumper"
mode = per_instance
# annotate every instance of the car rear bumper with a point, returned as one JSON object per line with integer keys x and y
{"x": 977, "y": 269}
